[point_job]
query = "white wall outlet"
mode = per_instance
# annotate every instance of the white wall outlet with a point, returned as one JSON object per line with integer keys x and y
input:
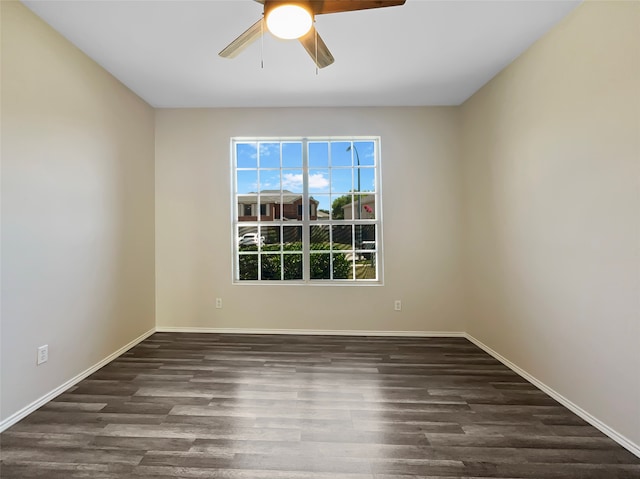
{"x": 397, "y": 305}
{"x": 218, "y": 303}
{"x": 43, "y": 354}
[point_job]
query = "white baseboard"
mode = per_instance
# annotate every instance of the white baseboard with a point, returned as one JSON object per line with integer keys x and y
{"x": 595, "y": 422}
{"x": 315, "y": 332}
{"x": 24, "y": 412}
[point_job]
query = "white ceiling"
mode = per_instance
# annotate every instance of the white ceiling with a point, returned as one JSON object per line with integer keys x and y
{"x": 423, "y": 53}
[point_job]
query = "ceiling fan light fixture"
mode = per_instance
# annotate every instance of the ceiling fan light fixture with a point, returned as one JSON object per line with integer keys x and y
{"x": 289, "y": 21}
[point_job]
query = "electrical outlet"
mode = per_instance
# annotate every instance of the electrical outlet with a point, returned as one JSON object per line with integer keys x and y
{"x": 218, "y": 303}
{"x": 397, "y": 305}
{"x": 43, "y": 354}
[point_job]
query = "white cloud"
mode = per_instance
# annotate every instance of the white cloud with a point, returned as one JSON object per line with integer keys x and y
{"x": 268, "y": 149}
{"x": 318, "y": 181}
{"x": 292, "y": 181}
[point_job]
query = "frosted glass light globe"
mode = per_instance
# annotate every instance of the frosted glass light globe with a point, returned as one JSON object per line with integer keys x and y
{"x": 289, "y": 21}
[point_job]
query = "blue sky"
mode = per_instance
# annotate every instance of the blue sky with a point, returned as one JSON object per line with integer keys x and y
{"x": 285, "y": 171}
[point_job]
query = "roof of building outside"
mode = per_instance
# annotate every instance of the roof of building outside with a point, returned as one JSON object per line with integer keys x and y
{"x": 273, "y": 196}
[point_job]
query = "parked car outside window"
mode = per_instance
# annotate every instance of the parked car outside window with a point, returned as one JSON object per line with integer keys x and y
{"x": 251, "y": 239}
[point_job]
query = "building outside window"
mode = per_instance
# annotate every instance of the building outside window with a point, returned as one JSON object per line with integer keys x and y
{"x": 307, "y": 210}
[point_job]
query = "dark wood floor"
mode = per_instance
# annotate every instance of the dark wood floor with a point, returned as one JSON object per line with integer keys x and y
{"x": 288, "y": 407}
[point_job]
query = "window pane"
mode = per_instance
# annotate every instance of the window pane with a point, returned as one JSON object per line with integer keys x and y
{"x": 319, "y": 180}
{"x": 269, "y": 155}
{"x": 366, "y": 153}
{"x": 270, "y": 181}
{"x": 248, "y": 238}
{"x": 364, "y": 206}
{"x": 318, "y": 154}
{"x": 243, "y": 230}
{"x": 342, "y": 237}
{"x": 247, "y": 182}
{"x": 367, "y": 206}
{"x": 313, "y": 209}
{"x": 271, "y": 267}
{"x": 271, "y": 238}
{"x": 342, "y": 266}
{"x": 246, "y": 156}
{"x": 366, "y": 237}
{"x": 289, "y": 207}
{"x": 366, "y": 266}
{"x": 367, "y": 179}
{"x": 341, "y": 180}
{"x": 340, "y": 153}
{"x": 342, "y": 207}
{"x": 324, "y": 207}
{"x": 292, "y": 266}
{"x": 319, "y": 238}
{"x": 248, "y": 267}
{"x": 320, "y": 266}
{"x": 292, "y": 155}
{"x": 292, "y": 238}
{"x": 246, "y": 207}
{"x": 292, "y": 181}
{"x": 365, "y": 255}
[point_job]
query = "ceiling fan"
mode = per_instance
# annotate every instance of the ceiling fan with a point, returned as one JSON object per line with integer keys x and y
{"x": 294, "y": 20}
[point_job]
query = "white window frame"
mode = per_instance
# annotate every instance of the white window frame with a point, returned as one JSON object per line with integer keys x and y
{"x": 306, "y": 222}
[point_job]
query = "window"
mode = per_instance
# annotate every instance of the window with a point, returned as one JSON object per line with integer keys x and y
{"x": 319, "y": 210}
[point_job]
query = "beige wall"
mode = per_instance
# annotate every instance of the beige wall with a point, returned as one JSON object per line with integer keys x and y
{"x": 552, "y": 168}
{"x": 77, "y": 211}
{"x": 421, "y": 208}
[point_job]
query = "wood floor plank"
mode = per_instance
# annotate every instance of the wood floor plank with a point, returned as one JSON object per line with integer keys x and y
{"x": 228, "y": 406}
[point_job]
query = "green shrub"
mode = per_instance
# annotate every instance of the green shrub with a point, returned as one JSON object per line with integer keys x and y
{"x": 271, "y": 266}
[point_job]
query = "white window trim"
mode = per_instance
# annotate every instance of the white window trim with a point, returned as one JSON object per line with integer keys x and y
{"x": 306, "y": 222}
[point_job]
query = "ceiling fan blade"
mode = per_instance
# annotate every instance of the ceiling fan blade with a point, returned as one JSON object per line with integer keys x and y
{"x": 322, "y": 56}
{"x": 321, "y": 7}
{"x": 244, "y": 40}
